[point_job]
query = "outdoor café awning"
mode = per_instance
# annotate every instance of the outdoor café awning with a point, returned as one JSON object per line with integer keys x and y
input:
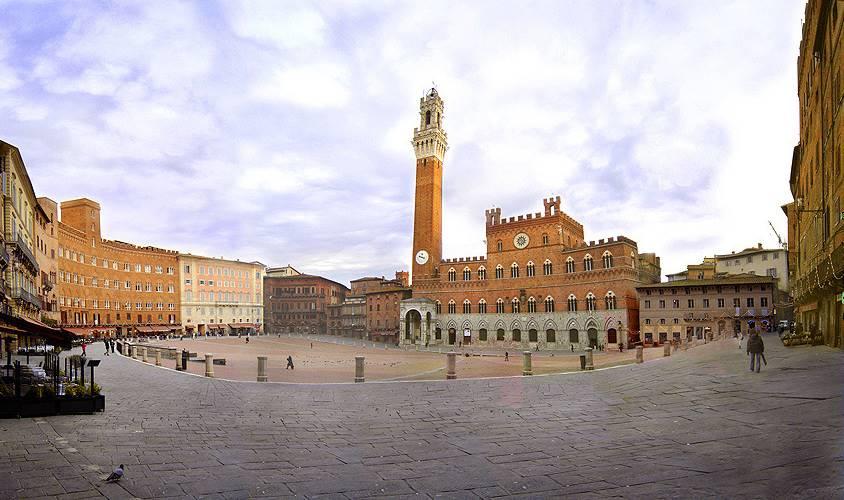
{"x": 243, "y": 325}
{"x": 25, "y": 326}
{"x": 156, "y": 329}
{"x": 90, "y": 332}
{"x": 215, "y": 327}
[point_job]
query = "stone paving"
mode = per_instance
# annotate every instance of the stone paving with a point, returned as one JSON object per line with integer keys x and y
{"x": 697, "y": 424}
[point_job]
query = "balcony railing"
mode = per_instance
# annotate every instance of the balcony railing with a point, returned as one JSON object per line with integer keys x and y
{"x": 4, "y": 255}
{"x": 21, "y": 294}
{"x": 20, "y": 246}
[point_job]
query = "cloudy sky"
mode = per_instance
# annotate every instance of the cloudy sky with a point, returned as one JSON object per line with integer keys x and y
{"x": 280, "y": 130}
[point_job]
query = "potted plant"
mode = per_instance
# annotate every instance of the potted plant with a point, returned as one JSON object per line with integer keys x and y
{"x": 38, "y": 401}
{"x": 78, "y": 399}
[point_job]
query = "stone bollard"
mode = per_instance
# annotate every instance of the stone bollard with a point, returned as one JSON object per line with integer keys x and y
{"x": 209, "y": 365}
{"x": 451, "y": 365}
{"x": 675, "y": 346}
{"x": 666, "y": 350}
{"x": 144, "y": 355}
{"x": 640, "y": 354}
{"x": 136, "y": 352}
{"x": 589, "y": 363}
{"x": 262, "y": 368}
{"x": 177, "y": 356}
{"x": 527, "y": 367}
{"x": 359, "y": 369}
{"x": 158, "y": 357}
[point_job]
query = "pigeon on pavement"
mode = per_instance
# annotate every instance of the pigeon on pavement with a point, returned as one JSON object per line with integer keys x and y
{"x": 116, "y": 475}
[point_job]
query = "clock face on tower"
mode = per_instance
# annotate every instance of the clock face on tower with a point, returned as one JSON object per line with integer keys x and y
{"x": 521, "y": 240}
{"x": 421, "y": 257}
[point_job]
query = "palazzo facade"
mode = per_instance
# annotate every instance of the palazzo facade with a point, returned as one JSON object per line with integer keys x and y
{"x": 540, "y": 284}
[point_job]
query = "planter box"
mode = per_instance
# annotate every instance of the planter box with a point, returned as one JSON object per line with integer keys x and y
{"x": 8, "y": 408}
{"x": 37, "y": 407}
{"x": 77, "y": 406}
{"x": 12, "y": 408}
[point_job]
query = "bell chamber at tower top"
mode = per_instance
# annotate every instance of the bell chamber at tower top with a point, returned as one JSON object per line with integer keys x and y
{"x": 430, "y": 139}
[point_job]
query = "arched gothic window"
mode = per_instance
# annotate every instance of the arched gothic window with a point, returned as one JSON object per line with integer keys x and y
{"x": 547, "y": 268}
{"x": 607, "y": 258}
{"x": 439, "y": 306}
{"x": 452, "y": 306}
{"x": 467, "y": 307}
{"x": 531, "y": 305}
{"x": 482, "y": 273}
{"x": 514, "y": 270}
{"x": 514, "y": 304}
{"x": 609, "y": 300}
{"x": 452, "y": 275}
{"x": 427, "y": 117}
{"x": 482, "y": 306}
{"x": 499, "y": 272}
{"x": 587, "y": 263}
{"x": 545, "y": 239}
{"x": 572, "y": 303}
{"x": 499, "y": 306}
{"x": 569, "y": 265}
{"x": 531, "y": 269}
{"x": 467, "y": 274}
{"x": 549, "y": 304}
{"x": 590, "y": 302}
{"x": 500, "y": 245}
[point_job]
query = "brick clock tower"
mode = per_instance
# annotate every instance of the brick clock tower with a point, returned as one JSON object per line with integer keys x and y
{"x": 430, "y": 142}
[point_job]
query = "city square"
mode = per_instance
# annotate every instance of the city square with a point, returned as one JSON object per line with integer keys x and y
{"x": 695, "y": 424}
{"x": 300, "y": 249}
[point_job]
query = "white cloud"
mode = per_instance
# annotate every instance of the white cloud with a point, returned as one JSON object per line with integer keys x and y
{"x": 283, "y": 129}
{"x": 288, "y": 25}
{"x": 320, "y": 85}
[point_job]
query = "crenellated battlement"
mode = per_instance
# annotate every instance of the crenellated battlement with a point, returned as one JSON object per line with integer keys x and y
{"x": 552, "y": 211}
{"x": 457, "y": 260}
{"x": 610, "y": 240}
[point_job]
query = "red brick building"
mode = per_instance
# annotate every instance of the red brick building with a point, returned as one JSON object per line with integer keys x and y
{"x": 383, "y": 308}
{"x": 300, "y": 303}
{"x": 539, "y": 284}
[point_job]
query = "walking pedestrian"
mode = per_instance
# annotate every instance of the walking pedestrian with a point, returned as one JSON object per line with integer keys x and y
{"x": 289, "y": 363}
{"x": 312, "y": 345}
{"x": 247, "y": 340}
{"x": 756, "y": 349}
{"x": 84, "y": 348}
{"x": 112, "y": 345}
{"x": 506, "y": 356}
{"x": 572, "y": 348}
{"x": 106, "y": 342}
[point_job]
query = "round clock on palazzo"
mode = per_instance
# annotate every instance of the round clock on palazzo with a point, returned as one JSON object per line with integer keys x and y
{"x": 521, "y": 240}
{"x": 421, "y": 257}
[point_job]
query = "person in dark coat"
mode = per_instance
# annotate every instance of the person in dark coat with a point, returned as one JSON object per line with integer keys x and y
{"x": 289, "y": 362}
{"x": 755, "y": 349}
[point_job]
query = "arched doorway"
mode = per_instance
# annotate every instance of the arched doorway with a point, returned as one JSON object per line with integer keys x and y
{"x": 612, "y": 336}
{"x": 592, "y": 333}
{"x": 452, "y": 336}
{"x": 550, "y": 336}
{"x": 412, "y": 325}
